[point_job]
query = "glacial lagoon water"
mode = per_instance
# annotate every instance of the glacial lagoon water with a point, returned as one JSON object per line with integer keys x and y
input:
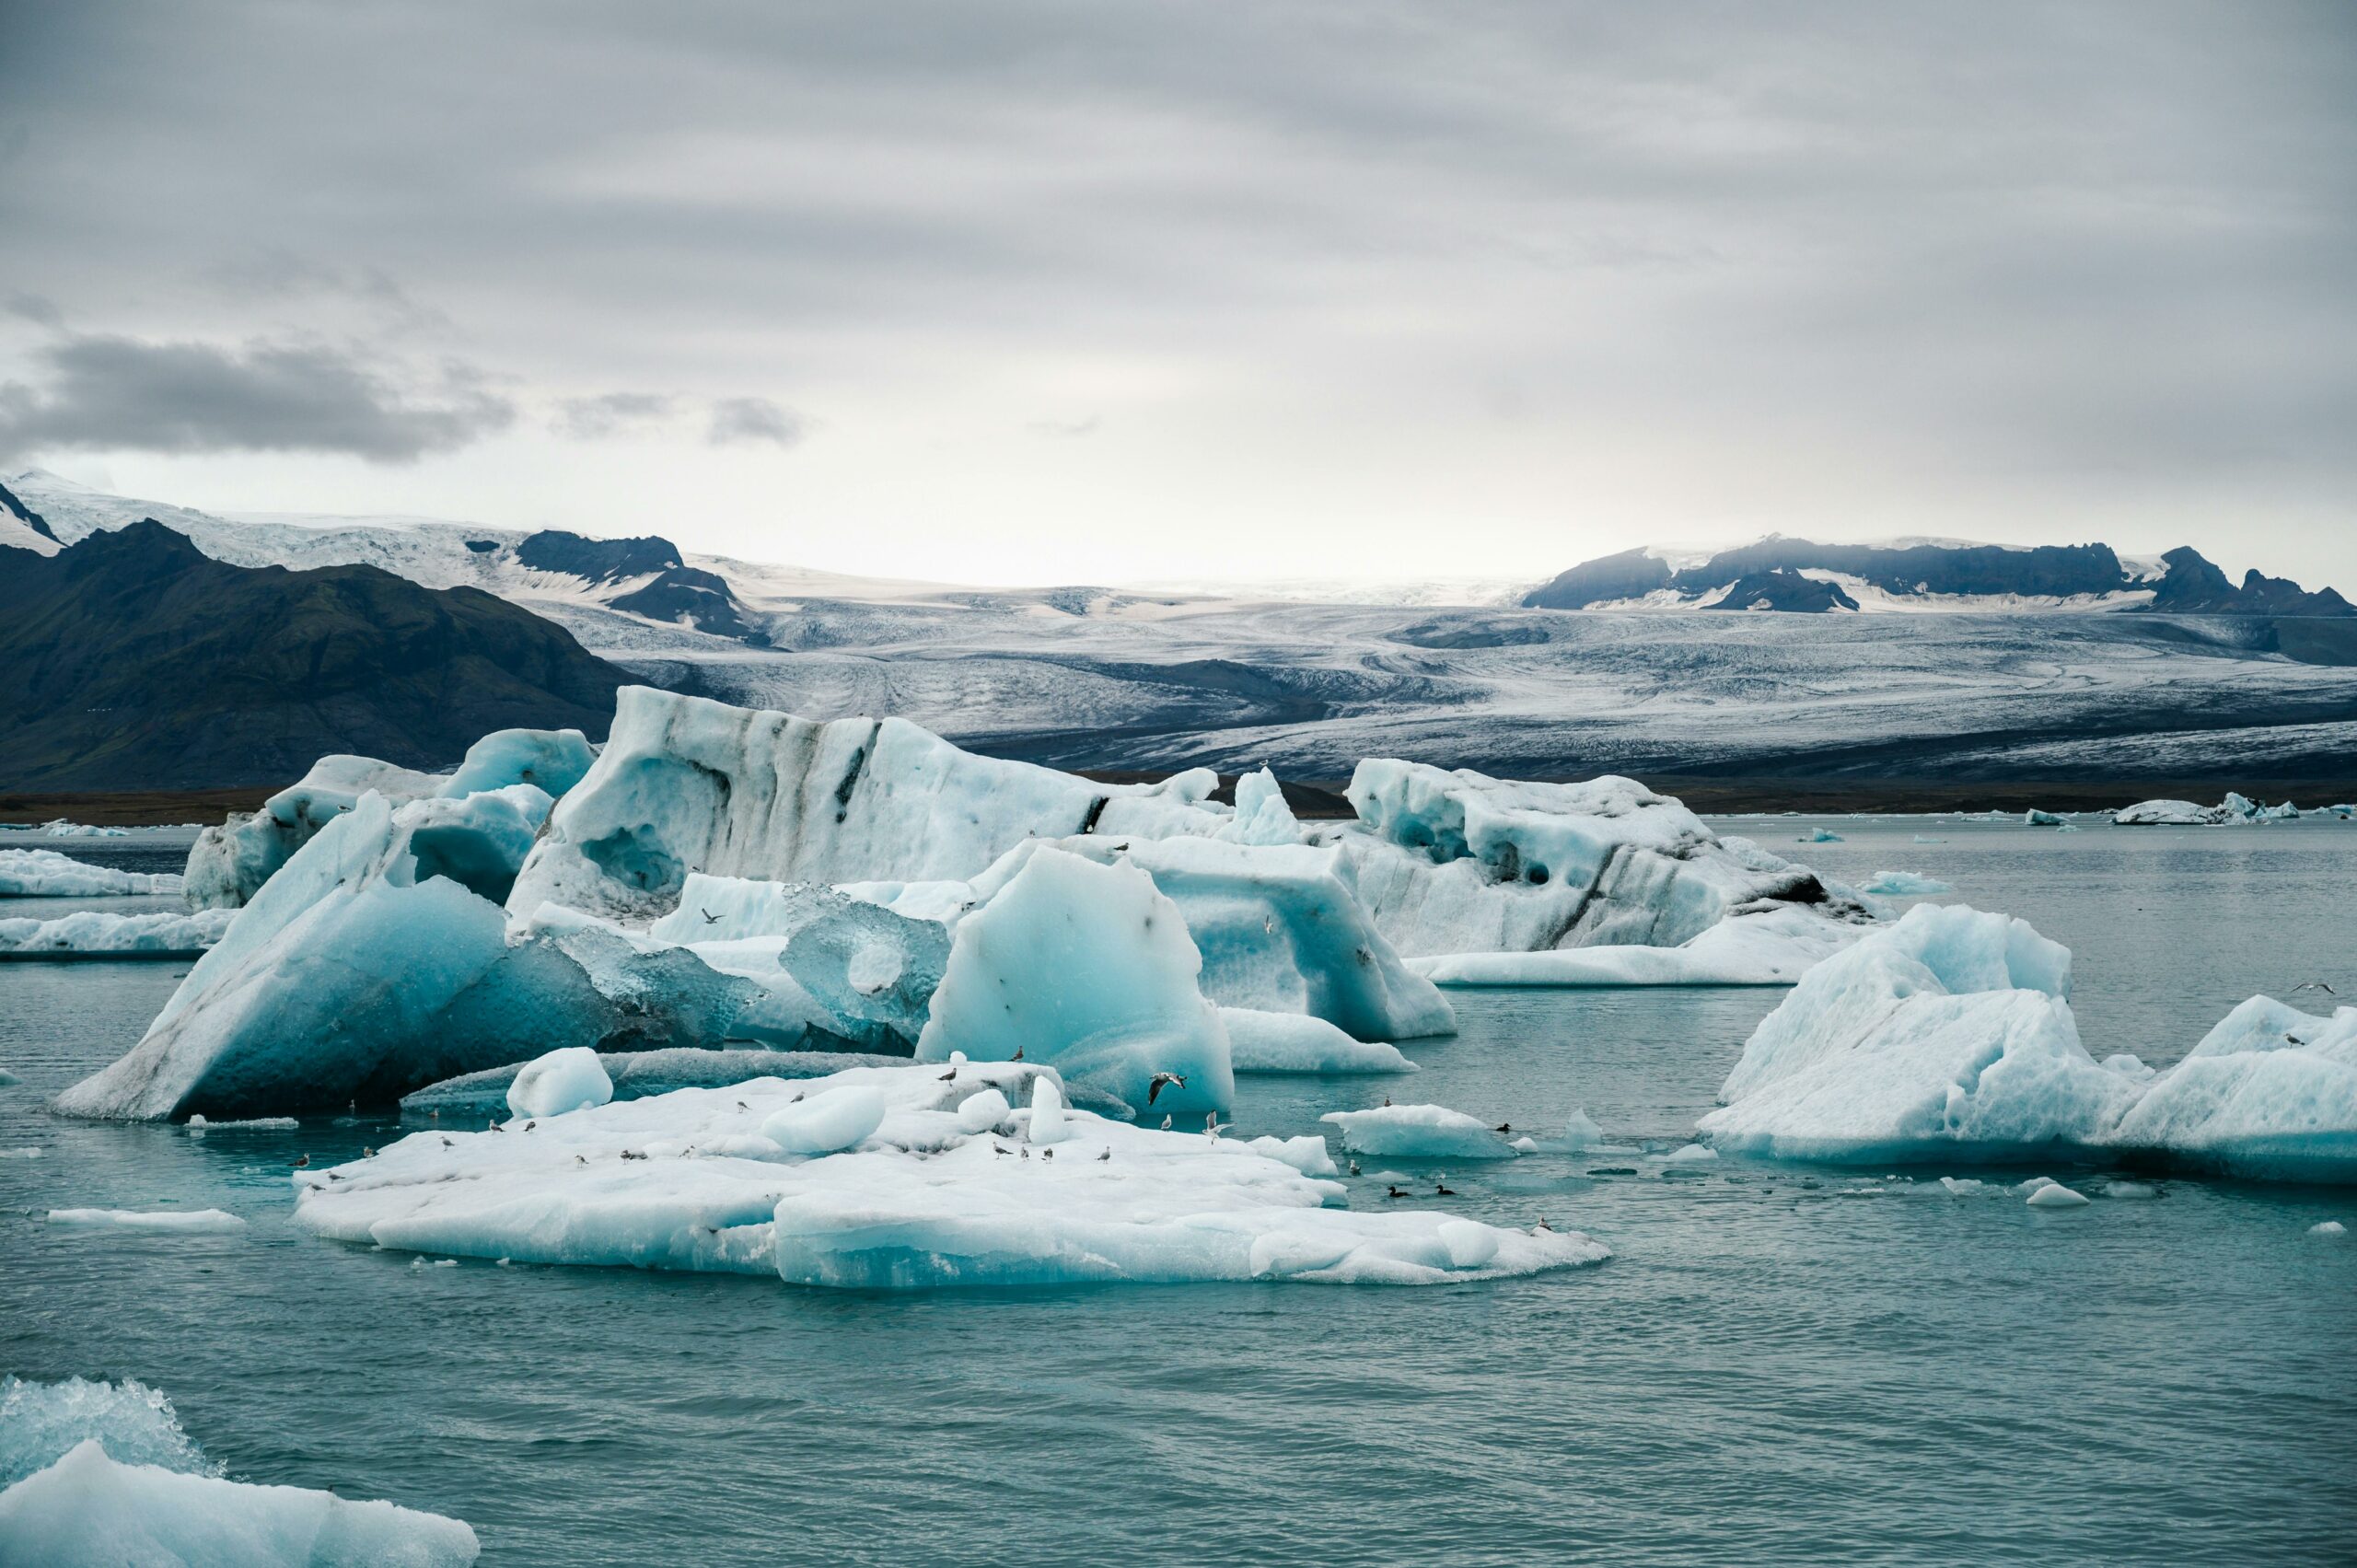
{"x": 1778, "y": 1365}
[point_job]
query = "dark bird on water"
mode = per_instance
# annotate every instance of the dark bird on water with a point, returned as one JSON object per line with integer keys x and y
{"x": 1160, "y": 1082}
{"x": 1505, "y": 1127}
{"x": 1441, "y": 1190}
{"x": 302, "y": 1160}
{"x": 1393, "y": 1193}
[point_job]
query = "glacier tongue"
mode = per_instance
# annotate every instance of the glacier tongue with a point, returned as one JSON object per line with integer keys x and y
{"x": 687, "y": 1180}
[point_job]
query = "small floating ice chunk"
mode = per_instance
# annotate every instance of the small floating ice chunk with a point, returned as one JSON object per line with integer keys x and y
{"x": 196, "y": 1221}
{"x": 1928, "y": 838}
{"x": 1820, "y": 836}
{"x": 1904, "y": 885}
{"x": 200, "y": 1126}
{"x": 1306, "y": 1154}
{"x": 29, "y": 1152}
{"x": 1419, "y": 1132}
{"x": 2328, "y": 1227}
{"x": 2054, "y": 1195}
{"x": 569, "y": 1079}
{"x": 1692, "y": 1154}
{"x": 2034, "y": 818}
{"x": 827, "y": 1121}
{"x": 2129, "y": 1190}
{"x": 1960, "y": 1185}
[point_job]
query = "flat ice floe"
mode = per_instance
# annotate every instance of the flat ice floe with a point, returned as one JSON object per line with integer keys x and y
{"x": 178, "y": 1222}
{"x": 948, "y": 1189}
{"x": 1420, "y": 1131}
{"x": 100, "y": 934}
{"x": 1772, "y": 947}
{"x": 99, "y": 1475}
{"x": 46, "y": 874}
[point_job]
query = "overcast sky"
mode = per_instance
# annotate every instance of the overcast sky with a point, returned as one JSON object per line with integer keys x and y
{"x": 1017, "y": 292}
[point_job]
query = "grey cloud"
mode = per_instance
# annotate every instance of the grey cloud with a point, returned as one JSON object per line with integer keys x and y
{"x": 39, "y": 310}
{"x": 119, "y": 392}
{"x": 591, "y": 419}
{"x": 737, "y": 419}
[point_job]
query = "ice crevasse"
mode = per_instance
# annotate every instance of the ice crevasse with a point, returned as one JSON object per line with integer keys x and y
{"x": 949, "y": 1187}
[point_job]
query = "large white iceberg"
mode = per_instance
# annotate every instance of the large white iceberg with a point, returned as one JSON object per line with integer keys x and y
{"x": 100, "y": 934}
{"x": 687, "y": 1181}
{"x": 45, "y": 873}
{"x": 230, "y": 862}
{"x": 100, "y": 1475}
{"x": 1948, "y": 1031}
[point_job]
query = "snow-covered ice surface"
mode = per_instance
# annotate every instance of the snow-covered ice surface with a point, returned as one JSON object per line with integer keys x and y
{"x": 159, "y": 934}
{"x": 47, "y": 874}
{"x": 101, "y": 1475}
{"x": 918, "y": 1196}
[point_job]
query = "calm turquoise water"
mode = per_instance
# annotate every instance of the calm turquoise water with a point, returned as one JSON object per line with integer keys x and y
{"x": 1778, "y": 1366}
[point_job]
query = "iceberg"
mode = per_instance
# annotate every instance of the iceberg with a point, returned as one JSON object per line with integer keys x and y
{"x": 1904, "y": 885}
{"x": 2034, "y": 818}
{"x": 46, "y": 874}
{"x": 229, "y": 862}
{"x": 1295, "y": 1042}
{"x": 89, "y": 1509}
{"x": 65, "y": 828}
{"x": 687, "y": 784}
{"x": 1454, "y": 862}
{"x": 2270, "y": 1092}
{"x": 2234, "y": 809}
{"x": 930, "y": 1198}
{"x": 2054, "y": 1195}
{"x": 1419, "y": 1132}
{"x": 1772, "y": 947}
{"x": 370, "y": 966}
{"x": 99, "y": 933}
{"x": 1087, "y": 968}
{"x": 1948, "y": 1031}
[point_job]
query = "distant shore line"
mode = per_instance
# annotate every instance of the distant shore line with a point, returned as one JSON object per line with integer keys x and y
{"x": 1322, "y": 799}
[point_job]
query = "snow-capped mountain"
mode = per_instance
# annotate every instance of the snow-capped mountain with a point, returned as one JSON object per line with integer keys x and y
{"x": 1309, "y": 679}
{"x": 1799, "y": 576}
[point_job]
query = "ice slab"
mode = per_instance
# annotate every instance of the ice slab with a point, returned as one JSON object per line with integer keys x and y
{"x": 46, "y": 874}
{"x": 687, "y": 1180}
{"x": 1419, "y": 1132}
{"x": 1294, "y": 1042}
{"x": 1773, "y": 947}
{"x": 178, "y": 1221}
{"x": 100, "y": 934}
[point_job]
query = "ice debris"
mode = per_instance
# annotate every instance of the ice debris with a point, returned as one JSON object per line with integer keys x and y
{"x": 46, "y": 874}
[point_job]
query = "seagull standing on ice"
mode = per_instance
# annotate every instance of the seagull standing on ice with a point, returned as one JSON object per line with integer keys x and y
{"x": 1166, "y": 1121}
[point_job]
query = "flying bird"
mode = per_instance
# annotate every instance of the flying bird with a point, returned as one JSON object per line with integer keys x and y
{"x": 2314, "y": 985}
{"x": 1162, "y": 1081}
{"x": 708, "y": 918}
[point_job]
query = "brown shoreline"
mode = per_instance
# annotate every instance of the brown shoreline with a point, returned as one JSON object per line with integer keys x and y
{"x": 132, "y": 808}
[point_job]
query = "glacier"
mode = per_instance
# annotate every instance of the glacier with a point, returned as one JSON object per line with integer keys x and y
{"x": 46, "y": 874}
{"x": 97, "y": 1475}
{"x": 929, "y": 1197}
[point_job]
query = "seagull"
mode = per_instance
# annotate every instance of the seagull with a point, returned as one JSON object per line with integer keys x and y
{"x": 493, "y": 1126}
{"x": 1166, "y": 1121}
{"x": 1026, "y": 1152}
{"x": 1018, "y": 1055}
{"x": 366, "y": 1153}
{"x": 949, "y": 1077}
{"x": 1441, "y": 1190}
{"x": 435, "y": 1115}
{"x": 529, "y": 1125}
{"x": 1387, "y": 1100}
{"x": 1211, "y": 1123}
{"x": 302, "y": 1160}
{"x": 581, "y": 1159}
{"x": 1162, "y": 1081}
{"x": 333, "y": 1177}
{"x": 742, "y": 1106}
{"x": 996, "y": 1150}
{"x": 1105, "y": 1156}
{"x": 1047, "y": 1154}
{"x": 1543, "y": 1224}
{"x": 447, "y": 1145}
{"x": 708, "y": 918}
{"x": 2316, "y": 985}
